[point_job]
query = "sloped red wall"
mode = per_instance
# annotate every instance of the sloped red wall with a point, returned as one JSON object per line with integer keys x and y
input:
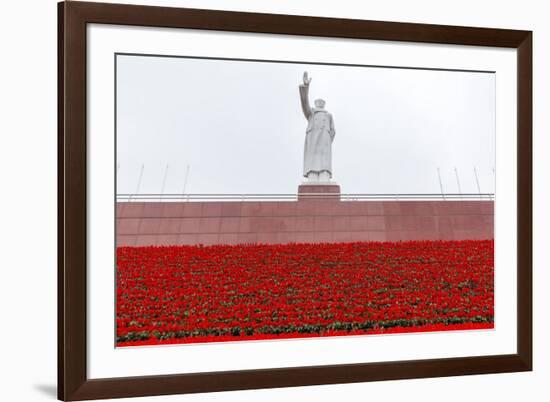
{"x": 235, "y": 222}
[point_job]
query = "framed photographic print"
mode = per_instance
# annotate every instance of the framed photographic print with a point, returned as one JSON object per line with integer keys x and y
{"x": 253, "y": 200}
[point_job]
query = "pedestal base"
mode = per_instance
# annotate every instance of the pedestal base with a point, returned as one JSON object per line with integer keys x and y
{"x": 316, "y": 191}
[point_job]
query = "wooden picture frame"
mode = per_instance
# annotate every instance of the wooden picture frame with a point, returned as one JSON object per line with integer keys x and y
{"x": 73, "y": 17}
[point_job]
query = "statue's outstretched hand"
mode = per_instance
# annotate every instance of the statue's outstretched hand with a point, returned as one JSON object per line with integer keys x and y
{"x": 306, "y": 79}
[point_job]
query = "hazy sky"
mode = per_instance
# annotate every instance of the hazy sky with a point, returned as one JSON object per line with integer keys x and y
{"x": 239, "y": 127}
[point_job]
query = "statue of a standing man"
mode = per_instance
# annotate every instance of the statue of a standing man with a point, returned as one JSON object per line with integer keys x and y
{"x": 319, "y": 136}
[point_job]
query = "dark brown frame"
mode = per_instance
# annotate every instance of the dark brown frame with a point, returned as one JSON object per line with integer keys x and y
{"x": 73, "y": 383}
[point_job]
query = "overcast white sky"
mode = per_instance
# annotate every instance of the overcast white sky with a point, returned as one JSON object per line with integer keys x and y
{"x": 239, "y": 127}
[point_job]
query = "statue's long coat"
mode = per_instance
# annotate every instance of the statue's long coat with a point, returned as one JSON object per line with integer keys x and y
{"x": 319, "y": 136}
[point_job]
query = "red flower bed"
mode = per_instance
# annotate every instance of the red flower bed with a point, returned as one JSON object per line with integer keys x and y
{"x": 185, "y": 294}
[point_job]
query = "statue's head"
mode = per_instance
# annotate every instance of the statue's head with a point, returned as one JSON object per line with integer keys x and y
{"x": 320, "y": 103}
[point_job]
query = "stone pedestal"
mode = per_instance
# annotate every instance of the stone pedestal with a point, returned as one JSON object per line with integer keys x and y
{"x": 316, "y": 191}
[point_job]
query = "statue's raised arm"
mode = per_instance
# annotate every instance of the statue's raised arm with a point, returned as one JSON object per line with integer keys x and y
{"x": 306, "y": 79}
{"x": 304, "y": 95}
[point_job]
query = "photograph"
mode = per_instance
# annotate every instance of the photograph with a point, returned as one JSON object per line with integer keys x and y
{"x": 253, "y": 200}
{"x": 262, "y": 200}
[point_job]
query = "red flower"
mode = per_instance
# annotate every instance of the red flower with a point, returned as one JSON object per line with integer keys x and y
{"x": 187, "y": 294}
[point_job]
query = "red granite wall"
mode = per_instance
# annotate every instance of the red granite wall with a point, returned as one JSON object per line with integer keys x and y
{"x": 234, "y": 222}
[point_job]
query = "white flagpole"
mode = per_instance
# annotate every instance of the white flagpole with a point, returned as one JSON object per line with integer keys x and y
{"x": 139, "y": 182}
{"x": 164, "y": 182}
{"x": 185, "y": 180}
{"x": 477, "y": 182}
{"x": 458, "y": 183}
{"x": 440, "y": 183}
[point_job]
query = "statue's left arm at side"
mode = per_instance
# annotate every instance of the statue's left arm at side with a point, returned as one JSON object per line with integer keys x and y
{"x": 332, "y": 129}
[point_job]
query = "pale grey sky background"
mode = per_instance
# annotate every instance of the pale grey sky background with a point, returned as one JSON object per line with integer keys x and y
{"x": 239, "y": 127}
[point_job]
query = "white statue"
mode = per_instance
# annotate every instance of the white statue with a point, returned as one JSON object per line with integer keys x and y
{"x": 319, "y": 136}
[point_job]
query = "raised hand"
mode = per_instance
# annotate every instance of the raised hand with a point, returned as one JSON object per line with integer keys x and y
{"x": 306, "y": 79}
